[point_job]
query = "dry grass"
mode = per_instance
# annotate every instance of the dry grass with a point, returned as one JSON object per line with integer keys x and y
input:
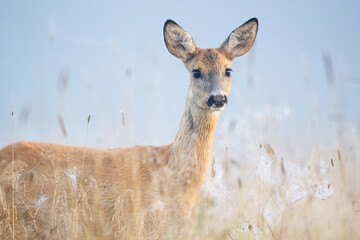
{"x": 257, "y": 194}
{"x": 270, "y": 198}
{"x": 282, "y": 200}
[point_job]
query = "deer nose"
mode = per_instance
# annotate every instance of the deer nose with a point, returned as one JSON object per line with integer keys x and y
{"x": 217, "y": 100}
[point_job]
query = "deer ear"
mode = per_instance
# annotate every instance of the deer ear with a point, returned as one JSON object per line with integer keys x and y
{"x": 178, "y": 41}
{"x": 240, "y": 40}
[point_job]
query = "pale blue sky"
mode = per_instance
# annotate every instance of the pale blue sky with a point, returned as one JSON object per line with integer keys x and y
{"x": 114, "y": 60}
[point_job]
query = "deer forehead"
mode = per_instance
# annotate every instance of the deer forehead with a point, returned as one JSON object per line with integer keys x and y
{"x": 209, "y": 59}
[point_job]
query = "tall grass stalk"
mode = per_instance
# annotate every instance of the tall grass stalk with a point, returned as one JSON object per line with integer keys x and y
{"x": 12, "y": 171}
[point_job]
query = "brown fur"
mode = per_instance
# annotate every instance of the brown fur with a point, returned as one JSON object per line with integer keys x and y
{"x": 123, "y": 193}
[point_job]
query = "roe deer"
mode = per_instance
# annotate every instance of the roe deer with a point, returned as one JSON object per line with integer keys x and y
{"x": 125, "y": 193}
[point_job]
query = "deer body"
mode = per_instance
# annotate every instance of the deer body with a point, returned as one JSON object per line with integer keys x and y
{"x": 123, "y": 193}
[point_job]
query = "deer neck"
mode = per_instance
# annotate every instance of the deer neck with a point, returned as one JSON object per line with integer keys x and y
{"x": 191, "y": 149}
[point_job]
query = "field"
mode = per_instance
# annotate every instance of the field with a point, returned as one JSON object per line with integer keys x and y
{"x": 286, "y": 155}
{"x": 268, "y": 196}
{"x": 257, "y": 192}
{"x": 252, "y": 191}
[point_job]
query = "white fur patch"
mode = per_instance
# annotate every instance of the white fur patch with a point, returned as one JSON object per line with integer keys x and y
{"x": 191, "y": 94}
{"x": 214, "y": 108}
{"x": 187, "y": 42}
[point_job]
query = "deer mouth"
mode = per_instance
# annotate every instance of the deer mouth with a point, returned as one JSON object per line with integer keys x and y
{"x": 215, "y": 108}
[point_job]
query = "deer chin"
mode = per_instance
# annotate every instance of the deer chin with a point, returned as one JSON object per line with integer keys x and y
{"x": 217, "y": 109}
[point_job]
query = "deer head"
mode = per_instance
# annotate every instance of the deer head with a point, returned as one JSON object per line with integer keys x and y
{"x": 210, "y": 68}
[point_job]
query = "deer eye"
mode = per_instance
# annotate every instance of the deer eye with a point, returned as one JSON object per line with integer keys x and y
{"x": 196, "y": 73}
{"x": 228, "y": 72}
